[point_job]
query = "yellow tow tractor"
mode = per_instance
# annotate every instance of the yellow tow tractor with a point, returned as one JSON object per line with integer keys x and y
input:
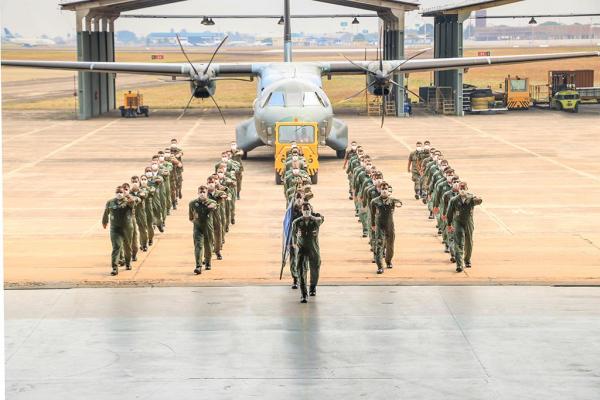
{"x": 133, "y": 105}
{"x": 305, "y": 134}
{"x": 516, "y": 93}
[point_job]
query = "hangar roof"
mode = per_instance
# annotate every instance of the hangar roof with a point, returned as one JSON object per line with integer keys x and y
{"x": 465, "y": 7}
{"x": 113, "y": 6}
{"x": 375, "y": 5}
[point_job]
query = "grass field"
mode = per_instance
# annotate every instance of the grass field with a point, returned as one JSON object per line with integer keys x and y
{"x": 159, "y": 94}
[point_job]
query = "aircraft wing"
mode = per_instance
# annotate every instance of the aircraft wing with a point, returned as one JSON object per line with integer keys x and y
{"x": 438, "y": 64}
{"x": 168, "y": 69}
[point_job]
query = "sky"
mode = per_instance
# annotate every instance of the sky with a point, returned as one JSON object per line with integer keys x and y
{"x": 33, "y": 18}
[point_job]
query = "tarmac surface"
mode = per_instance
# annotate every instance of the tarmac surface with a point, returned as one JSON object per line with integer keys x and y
{"x": 480, "y": 343}
{"x": 537, "y": 171}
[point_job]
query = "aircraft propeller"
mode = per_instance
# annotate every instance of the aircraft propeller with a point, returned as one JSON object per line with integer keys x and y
{"x": 382, "y": 79}
{"x": 203, "y": 80}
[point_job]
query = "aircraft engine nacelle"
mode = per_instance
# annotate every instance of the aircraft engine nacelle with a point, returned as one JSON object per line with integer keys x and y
{"x": 203, "y": 82}
{"x": 204, "y": 91}
{"x": 378, "y": 86}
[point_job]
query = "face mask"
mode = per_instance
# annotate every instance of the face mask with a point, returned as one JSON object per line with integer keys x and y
{"x": 220, "y": 175}
{"x": 119, "y": 196}
{"x": 295, "y": 158}
{"x": 354, "y": 148}
{"x": 306, "y": 213}
{"x": 427, "y": 147}
{"x": 419, "y": 148}
{"x": 173, "y": 145}
{"x": 154, "y": 167}
{"x": 161, "y": 158}
{"x": 149, "y": 174}
{"x": 233, "y": 147}
{"x": 295, "y": 171}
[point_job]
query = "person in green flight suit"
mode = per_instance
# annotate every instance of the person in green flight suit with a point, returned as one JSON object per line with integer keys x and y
{"x": 237, "y": 155}
{"x": 119, "y": 211}
{"x": 305, "y": 239}
{"x": 382, "y": 223}
{"x": 413, "y": 168}
{"x": 140, "y": 212}
{"x": 460, "y": 222}
{"x": 201, "y": 212}
{"x": 148, "y": 207}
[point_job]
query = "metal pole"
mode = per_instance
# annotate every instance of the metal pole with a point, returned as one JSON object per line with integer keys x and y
{"x": 287, "y": 32}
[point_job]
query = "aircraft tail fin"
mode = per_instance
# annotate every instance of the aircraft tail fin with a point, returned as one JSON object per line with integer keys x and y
{"x": 8, "y": 34}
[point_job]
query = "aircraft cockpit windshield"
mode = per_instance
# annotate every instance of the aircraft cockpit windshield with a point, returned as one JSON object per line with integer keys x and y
{"x": 297, "y": 133}
{"x": 294, "y": 99}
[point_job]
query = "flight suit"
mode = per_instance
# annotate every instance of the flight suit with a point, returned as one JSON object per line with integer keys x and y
{"x": 218, "y": 219}
{"x": 370, "y": 192}
{"x": 421, "y": 157}
{"x": 237, "y": 157}
{"x": 413, "y": 157}
{"x": 305, "y": 233}
{"x": 382, "y": 217}
{"x": 120, "y": 215}
{"x": 179, "y": 177}
{"x": 201, "y": 213}
{"x": 460, "y": 217}
{"x": 140, "y": 235}
{"x": 448, "y": 237}
{"x": 149, "y": 212}
{"x": 157, "y": 183}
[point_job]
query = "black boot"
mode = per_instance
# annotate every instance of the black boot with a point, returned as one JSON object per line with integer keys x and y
{"x": 389, "y": 266}
{"x": 161, "y": 227}
{"x": 121, "y": 263}
{"x": 313, "y": 290}
{"x": 150, "y": 242}
{"x": 295, "y": 284}
{"x": 430, "y": 214}
{"x": 134, "y": 258}
{"x": 446, "y": 248}
{"x": 452, "y": 259}
{"x": 232, "y": 221}
{"x": 207, "y": 265}
{"x": 219, "y": 256}
{"x": 128, "y": 267}
{"x": 467, "y": 264}
{"x": 416, "y": 195}
{"x": 174, "y": 206}
{"x": 198, "y": 270}
{"x": 379, "y": 270}
{"x": 115, "y": 270}
{"x": 304, "y": 295}
{"x": 459, "y": 268}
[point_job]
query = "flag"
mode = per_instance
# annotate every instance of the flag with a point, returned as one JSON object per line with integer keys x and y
{"x": 287, "y": 235}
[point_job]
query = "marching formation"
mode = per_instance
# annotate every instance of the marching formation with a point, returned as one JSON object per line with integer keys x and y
{"x": 213, "y": 211}
{"x": 142, "y": 205}
{"x": 447, "y": 199}
{"x": 374, "y": 206}
{"x": 301, "y": 225}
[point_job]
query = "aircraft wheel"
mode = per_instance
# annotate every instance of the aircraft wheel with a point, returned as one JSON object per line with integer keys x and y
{"x": 576, "y": 109}
{"x": 245, "y": 156}
{"x": 314, "y": 179}
{"x": 341, "y": 154}
{"x": 278, "y": 180}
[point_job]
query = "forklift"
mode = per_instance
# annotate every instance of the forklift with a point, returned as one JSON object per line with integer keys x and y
{"x": 133, "y": 105}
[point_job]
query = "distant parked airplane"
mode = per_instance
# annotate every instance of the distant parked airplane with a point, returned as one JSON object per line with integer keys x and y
{"x": 27, "y": 42}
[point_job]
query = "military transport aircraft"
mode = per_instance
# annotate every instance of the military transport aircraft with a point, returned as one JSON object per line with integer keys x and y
{"x": 291, "y": 91}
